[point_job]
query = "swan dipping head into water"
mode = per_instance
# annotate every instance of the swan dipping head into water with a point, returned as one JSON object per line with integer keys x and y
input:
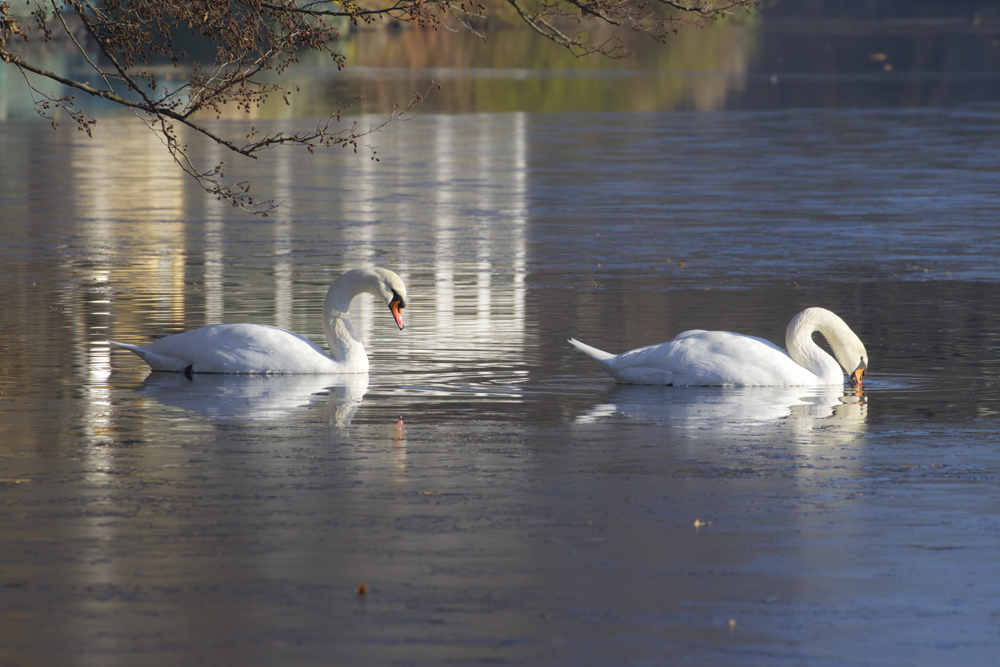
{"x": 723, "y": 358}
{"x": 258, "y": 348}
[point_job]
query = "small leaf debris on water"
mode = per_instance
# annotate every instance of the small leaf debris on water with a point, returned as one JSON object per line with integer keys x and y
{"x": 732, "y": 624}
{"x": 362, "y": 589}
{"x": 698, "y": 523}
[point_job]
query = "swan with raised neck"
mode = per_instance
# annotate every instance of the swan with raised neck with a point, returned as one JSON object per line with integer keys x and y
{"x": 723, "y": 358}
{"x": 258, "y": 348}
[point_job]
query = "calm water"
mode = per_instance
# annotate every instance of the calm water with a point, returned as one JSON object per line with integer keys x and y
{"x": 527, "y": 510}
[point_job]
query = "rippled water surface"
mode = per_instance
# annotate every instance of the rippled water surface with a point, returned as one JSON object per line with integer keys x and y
{"x": 495, "y": 496}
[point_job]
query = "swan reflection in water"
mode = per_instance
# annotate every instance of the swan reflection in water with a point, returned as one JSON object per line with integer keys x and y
{"x": 800, "y": 408}
{"x": 258, "y": 397}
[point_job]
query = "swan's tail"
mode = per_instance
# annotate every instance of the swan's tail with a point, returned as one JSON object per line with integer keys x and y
{"x": 132, "y": 348}
{"x": 600, "y": 356}
{"x": 157, "y": 362}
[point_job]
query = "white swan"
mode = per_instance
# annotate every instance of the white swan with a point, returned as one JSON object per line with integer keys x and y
{"x": 257, "y": 348}
{"x": 733, "y": 360}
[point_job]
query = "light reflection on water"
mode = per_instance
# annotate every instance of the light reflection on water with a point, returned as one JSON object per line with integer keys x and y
{"x": 502, "y": 267}
{"x": 523, "y": 495}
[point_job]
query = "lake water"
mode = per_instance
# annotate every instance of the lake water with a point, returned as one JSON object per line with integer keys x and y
{"x": 527, "y": 510}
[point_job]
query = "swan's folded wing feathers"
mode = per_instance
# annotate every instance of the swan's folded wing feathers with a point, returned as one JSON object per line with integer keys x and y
{"x": 233, "y": 348}
{"x": 729, "y": 359}
{"x": 714, "y": 358}
{"x": 689, "y": 332}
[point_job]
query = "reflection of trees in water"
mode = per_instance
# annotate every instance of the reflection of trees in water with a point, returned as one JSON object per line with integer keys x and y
{"x": 694, "y": 51}
{"x": 512, "y": 71}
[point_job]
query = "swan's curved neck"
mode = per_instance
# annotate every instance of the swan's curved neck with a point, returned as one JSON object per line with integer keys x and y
{"x": 345, "y": 346}
{"x": 804, "y": 351}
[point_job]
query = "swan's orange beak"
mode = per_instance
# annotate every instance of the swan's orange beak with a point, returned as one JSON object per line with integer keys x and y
{"x": 858, "y": 373}
{"x": 395, "y": 306}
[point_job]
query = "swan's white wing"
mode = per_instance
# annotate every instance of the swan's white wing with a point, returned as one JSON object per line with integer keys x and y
{"x": 710, "y": 358}
{"x": 238, "y": 348}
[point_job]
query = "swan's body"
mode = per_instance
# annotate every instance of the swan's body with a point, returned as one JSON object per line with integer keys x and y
{"x": 257, "y": 348}
{"x": 729, "y": 359}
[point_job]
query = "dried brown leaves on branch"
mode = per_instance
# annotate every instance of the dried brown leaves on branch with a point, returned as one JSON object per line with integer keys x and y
{"x": 251, "y": 43}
